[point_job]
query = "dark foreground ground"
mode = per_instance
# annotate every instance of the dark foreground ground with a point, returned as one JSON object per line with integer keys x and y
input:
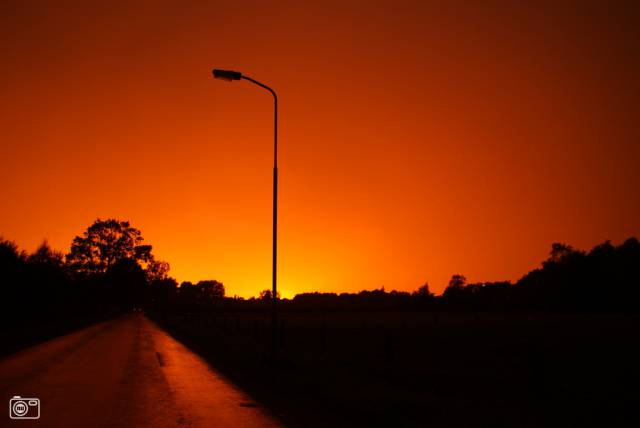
{"x": 400, "y": 369}
{"x": 21, "y": 333}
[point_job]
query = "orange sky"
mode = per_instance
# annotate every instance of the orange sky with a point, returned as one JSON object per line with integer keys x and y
{"x": 418, "y": 139}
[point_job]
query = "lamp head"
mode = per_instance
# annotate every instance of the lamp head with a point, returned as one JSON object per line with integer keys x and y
{"x": 227, "y": 75}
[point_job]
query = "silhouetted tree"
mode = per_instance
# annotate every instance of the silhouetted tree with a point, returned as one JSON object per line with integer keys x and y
{"x": 559, "y": 251}
{"x": 605, "y": 279}
{"x": 210, "y": 290}
{"x": 456, "y": 286}
{"x": 157, "y": 270}
{"x": 188, "y": 295}
{"x": 200, "y": 295}
{"x": 46, "y": 278}
{"x": 44, "y": 255}
{"x": 104, "y": 243}
{"x": 11, "y": 262}
{"x": 163, "y": 293}
{"x": 266, "y": 295}
{"x": 457, "y": 281}
{"x": 126, "y": 282}
{"x": 423, "y": 291}
{"x": 12, "y": 271}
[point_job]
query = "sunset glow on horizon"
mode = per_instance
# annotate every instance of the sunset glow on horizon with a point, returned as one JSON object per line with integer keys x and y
{"x": 417, "y": 140}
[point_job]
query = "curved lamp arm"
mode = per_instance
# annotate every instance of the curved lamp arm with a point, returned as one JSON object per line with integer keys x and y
{"x": 230, "y": 75}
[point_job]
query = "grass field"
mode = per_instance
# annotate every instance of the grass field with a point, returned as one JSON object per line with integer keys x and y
{"x": 395, "y": 369}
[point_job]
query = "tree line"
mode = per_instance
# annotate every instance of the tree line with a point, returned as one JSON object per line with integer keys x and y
{"x": 110, "y": 269}
{"x": 604, "y": 279}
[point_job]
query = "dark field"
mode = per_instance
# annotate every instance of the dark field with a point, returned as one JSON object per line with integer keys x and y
{"x": 394, "y": 369}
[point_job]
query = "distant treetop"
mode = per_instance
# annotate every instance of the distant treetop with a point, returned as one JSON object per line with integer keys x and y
{"x": 105, "y": 243}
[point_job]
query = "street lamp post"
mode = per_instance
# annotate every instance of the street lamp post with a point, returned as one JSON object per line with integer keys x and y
{"x": 235, "y": 75}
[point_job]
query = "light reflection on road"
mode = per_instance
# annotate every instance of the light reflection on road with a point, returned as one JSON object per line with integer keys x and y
{"x": 125, "y": 373}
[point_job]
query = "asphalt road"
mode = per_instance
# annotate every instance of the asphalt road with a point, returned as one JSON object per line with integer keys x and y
{"x": 124, "y": 373}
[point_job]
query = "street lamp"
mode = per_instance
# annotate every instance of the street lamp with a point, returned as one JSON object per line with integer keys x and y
{"x": 230, "y": 75}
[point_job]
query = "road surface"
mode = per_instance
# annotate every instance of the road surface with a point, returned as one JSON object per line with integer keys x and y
{"x": 124, "y": 373}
